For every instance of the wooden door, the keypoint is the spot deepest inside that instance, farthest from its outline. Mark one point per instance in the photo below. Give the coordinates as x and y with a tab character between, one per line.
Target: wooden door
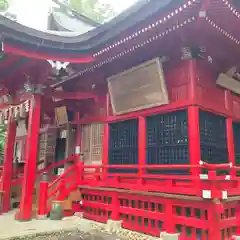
92	136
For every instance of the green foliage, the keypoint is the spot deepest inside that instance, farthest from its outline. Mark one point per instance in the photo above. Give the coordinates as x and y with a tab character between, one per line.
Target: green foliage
3	5
92	9
2	141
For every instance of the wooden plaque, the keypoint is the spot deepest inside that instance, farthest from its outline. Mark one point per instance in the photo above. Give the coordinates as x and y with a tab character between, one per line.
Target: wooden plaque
138	88
229	83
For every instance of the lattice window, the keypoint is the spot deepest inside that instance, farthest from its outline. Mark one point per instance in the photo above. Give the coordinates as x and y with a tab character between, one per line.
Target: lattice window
236	138
123	144
92	136
213	138
167	140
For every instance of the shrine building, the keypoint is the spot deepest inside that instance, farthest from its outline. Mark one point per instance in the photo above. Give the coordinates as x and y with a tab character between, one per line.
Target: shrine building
136	120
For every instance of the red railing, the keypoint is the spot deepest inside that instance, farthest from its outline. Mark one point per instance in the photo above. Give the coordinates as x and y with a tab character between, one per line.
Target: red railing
18	180
179	208
61	186
61	182
18	177
208	178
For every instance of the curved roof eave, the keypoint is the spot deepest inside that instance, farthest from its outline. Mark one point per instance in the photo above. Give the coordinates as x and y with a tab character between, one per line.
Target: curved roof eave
16	34
70	24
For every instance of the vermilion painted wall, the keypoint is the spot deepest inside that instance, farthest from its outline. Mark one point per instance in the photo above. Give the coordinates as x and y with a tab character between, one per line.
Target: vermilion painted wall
180	77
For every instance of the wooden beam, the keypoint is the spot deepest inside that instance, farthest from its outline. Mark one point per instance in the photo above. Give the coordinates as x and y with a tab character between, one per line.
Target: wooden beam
40	54
16	65
74	95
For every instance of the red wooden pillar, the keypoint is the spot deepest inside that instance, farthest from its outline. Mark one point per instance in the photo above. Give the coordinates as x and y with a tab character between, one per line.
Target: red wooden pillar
192	84
105	147
230	142
43	196
193	117
194	138
142	141
8	164
25	210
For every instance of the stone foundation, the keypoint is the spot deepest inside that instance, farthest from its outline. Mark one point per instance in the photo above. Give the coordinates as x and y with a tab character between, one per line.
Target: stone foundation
113	226
168	236
41	217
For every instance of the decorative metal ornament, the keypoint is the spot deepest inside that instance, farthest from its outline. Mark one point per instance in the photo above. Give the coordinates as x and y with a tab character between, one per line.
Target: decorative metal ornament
58	66
195	52
186	53
28	86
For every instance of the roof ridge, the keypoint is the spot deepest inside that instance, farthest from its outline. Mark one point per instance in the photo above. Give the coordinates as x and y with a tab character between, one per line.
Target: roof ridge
77	14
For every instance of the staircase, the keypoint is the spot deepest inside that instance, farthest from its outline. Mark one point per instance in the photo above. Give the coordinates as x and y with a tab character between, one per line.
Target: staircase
61	188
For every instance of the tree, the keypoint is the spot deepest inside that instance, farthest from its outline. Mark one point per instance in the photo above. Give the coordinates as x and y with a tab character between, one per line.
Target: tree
3	5
92	9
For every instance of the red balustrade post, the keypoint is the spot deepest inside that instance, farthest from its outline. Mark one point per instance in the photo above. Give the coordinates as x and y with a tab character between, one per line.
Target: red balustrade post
169	225
214	218
194	138
80	172
142	141
238	219
216	191
8	163
43	197
230	143
25	211
115	207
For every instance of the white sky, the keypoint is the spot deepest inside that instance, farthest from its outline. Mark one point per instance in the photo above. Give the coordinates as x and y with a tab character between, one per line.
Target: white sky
33	13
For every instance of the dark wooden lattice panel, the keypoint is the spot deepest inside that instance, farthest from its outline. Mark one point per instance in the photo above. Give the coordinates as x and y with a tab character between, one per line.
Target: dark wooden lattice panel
167	140
123	144
213	138
236	139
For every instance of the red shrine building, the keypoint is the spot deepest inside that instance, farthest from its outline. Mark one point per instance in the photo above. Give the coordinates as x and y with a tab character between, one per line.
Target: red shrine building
141	115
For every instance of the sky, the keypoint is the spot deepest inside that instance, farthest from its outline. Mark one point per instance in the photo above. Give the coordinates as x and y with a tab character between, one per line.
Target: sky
33	13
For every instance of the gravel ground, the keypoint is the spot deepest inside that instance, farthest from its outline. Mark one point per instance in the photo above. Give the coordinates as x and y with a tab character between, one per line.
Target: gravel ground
73	235
70	228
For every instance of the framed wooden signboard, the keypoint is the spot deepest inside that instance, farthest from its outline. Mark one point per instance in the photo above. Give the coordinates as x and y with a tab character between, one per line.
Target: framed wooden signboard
138	88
